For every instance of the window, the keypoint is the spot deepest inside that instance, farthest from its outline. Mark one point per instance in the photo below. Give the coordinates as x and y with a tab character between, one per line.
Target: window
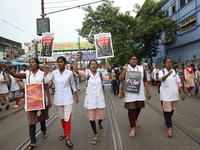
173	8
182	2
167	13
188	23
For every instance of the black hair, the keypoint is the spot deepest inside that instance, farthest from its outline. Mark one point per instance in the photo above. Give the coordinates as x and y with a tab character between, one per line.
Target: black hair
71	67
132	55
164	61
198	65
91	61
63	58
37	61
24	65
14	67
114	64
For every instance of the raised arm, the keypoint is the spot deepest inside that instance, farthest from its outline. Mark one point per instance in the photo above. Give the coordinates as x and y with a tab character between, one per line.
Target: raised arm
122	75
3	65
76	57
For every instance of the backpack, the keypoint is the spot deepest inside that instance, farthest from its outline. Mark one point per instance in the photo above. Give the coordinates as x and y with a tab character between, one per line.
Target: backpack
116	73
88	77
159	84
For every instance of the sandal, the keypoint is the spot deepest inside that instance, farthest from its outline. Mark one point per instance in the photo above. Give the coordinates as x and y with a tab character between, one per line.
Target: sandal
69	143
30	147
62	137
169	133
95	140
101	128
44	135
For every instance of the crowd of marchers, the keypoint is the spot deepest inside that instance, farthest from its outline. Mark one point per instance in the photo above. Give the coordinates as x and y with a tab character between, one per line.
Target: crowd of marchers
171	82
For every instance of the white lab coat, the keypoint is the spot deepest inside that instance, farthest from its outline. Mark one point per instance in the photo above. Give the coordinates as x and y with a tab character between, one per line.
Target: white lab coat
14	84
3	86
132	97
37	78
169	88
94	97
63	83
22	71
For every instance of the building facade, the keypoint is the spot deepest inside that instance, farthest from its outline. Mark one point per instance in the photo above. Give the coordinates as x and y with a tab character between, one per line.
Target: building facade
10	50
187	45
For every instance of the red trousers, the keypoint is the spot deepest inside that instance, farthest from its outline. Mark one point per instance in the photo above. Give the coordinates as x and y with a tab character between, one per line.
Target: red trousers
66	126
17	101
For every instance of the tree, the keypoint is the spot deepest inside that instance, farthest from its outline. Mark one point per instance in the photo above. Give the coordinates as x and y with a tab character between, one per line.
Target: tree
107	18
151	23
140	35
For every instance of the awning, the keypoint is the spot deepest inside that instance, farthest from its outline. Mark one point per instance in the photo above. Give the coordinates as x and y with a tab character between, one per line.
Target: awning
21	58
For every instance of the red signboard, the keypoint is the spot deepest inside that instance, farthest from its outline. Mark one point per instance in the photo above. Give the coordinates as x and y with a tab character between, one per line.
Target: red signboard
34	97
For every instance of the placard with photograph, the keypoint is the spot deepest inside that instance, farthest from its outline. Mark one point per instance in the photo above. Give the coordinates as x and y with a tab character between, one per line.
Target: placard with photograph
103	45
34	97
47	45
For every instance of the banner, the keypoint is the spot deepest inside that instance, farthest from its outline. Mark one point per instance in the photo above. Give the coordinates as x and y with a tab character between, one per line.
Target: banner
132	81
34	97
103	45
47	45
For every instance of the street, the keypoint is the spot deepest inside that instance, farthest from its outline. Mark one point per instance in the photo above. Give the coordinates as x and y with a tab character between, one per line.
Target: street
150	136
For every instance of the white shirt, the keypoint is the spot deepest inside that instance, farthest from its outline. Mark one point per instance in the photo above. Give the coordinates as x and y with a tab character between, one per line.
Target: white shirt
169	88
94	97
132	97
63	84
37	78
3	86
22	71
14	84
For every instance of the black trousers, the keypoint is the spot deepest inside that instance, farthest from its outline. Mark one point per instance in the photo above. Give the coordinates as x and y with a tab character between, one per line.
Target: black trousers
32	129
168	118
115	87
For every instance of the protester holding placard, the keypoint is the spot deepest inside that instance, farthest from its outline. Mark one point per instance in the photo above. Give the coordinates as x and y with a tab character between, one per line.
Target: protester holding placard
63	80
34	76
94	97
135	85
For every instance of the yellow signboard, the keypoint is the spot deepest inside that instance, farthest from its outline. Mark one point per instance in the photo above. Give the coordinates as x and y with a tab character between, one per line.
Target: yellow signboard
67	46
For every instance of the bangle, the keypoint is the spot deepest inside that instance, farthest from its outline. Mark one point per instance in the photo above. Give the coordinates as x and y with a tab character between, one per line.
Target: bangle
182	94
108	71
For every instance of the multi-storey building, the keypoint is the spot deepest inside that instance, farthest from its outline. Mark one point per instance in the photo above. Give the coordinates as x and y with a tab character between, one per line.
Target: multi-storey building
10	50
187	45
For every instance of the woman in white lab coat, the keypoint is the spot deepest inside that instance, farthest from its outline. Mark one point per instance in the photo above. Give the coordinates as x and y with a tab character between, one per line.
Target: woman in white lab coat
169	93
14	88
4	89
63	80
94	97
34	76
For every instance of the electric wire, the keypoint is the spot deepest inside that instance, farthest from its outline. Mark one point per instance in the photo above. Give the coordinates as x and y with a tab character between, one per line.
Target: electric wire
18	28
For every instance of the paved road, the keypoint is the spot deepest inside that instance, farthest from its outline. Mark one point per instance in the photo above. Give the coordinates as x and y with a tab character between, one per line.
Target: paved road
150	136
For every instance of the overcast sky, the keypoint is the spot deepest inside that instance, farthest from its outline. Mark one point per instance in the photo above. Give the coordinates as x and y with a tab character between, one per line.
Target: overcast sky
22	15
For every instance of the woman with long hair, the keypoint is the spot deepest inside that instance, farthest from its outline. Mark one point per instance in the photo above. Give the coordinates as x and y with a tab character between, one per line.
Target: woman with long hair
34	76
63	80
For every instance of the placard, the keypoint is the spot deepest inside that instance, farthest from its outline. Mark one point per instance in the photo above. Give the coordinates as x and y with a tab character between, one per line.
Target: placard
47	45
132	81
103	45
34	97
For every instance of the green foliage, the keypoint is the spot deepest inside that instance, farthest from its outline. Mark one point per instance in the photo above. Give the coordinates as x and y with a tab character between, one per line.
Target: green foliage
140	35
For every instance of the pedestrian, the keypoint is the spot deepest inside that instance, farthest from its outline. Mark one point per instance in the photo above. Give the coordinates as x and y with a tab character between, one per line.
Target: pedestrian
155	76
189	78
63	80
24	70
34	76
4	89
115	81
94	97
134	102
169	93
15	89
197	80
180	72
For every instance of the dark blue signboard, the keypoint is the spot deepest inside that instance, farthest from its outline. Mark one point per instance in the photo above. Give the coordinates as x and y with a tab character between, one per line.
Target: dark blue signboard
43	25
